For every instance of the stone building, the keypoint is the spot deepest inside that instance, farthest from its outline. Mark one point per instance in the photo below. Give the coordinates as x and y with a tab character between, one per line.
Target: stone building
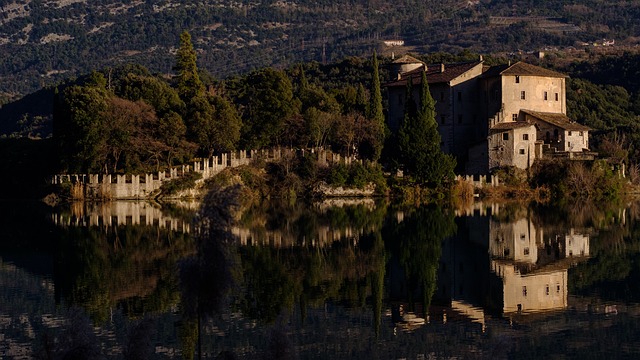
493	116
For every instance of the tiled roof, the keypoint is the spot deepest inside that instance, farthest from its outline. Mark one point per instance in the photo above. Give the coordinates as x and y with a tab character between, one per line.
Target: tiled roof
504	126
407	59
559	120
521	68
435	73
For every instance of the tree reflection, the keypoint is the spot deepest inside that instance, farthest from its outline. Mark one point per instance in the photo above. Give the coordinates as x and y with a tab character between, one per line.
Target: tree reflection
208	276
127	267
321	254
415	248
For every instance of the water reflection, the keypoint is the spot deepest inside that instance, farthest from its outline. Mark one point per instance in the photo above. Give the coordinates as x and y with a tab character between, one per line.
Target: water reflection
338	280
505	261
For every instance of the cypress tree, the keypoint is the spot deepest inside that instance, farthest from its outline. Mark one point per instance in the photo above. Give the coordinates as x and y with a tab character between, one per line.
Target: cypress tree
419	141
374	112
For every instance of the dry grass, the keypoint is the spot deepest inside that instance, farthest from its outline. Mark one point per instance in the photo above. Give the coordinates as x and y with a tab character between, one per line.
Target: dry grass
76	192
523	192
462	194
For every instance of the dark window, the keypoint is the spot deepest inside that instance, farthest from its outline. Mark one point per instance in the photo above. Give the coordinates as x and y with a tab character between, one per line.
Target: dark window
524	291
521	151
526	251
505	136
557	97
569	133
547	289
545	95
517	79
522	95
514	117
525	136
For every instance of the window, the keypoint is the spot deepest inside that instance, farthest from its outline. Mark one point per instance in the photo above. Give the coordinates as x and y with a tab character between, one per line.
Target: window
569	133
545	96
581	134
524	291
525	136
442	119
514	117
459	119
523	236
505	136
569	144
521	151
517	79
558	288
557	97
459	95
547	289
526	251
522	95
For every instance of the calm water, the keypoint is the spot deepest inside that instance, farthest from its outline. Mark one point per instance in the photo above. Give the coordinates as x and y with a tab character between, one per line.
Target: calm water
354	279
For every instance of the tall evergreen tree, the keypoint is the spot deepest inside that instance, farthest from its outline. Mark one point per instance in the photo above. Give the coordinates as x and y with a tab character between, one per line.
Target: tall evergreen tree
189	83
374	112
419	142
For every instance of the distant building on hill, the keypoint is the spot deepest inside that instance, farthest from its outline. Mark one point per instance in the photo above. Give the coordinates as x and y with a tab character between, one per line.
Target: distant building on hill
493	116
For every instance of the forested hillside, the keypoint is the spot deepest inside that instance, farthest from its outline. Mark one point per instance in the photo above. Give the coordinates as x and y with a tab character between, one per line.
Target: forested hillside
45	41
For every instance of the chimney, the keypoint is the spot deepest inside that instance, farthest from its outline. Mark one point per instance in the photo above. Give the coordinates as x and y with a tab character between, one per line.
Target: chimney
393	55
481	58
441	68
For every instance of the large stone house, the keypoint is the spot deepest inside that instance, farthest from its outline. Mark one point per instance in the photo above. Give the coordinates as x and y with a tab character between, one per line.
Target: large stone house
490	117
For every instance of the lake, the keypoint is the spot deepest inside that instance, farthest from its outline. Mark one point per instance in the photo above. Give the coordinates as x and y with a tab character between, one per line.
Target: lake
338	279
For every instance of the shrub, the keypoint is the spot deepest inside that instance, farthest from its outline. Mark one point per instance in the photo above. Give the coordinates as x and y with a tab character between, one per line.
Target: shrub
358	176
187	181
338	175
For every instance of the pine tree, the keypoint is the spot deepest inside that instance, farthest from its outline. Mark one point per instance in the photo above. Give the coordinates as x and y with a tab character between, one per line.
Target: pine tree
189	83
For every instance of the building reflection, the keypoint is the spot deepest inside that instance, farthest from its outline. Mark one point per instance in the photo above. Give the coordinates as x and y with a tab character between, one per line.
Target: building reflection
120	213
505	262
502	261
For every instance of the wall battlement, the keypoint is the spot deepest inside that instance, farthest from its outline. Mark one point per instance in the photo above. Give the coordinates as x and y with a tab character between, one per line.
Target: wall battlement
145	186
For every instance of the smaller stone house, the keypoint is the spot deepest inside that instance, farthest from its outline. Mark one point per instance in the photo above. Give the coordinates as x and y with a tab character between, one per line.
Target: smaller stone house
558	131
512	144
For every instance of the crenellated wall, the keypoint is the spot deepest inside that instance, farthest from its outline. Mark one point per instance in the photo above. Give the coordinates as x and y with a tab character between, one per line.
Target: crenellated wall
144	186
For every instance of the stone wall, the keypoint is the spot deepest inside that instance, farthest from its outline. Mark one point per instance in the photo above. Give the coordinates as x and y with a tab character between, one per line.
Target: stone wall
479	181
144	186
